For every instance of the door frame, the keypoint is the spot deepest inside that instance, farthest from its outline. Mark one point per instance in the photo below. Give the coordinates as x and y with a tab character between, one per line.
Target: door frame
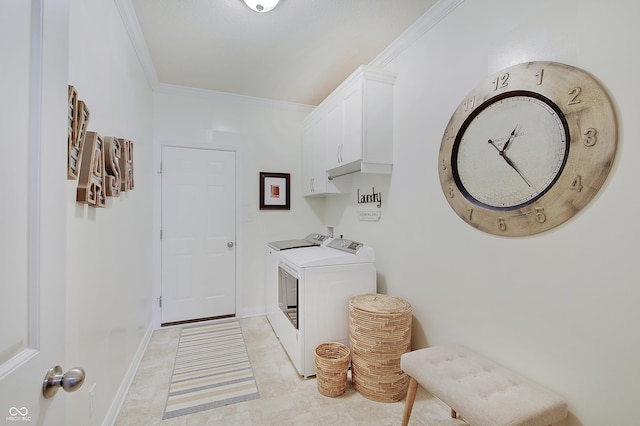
228	142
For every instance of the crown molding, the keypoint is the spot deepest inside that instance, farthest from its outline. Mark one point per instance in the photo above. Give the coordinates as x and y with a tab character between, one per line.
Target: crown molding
131	24
427	21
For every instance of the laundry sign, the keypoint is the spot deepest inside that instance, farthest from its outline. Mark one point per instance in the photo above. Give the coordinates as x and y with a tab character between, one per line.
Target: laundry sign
371	198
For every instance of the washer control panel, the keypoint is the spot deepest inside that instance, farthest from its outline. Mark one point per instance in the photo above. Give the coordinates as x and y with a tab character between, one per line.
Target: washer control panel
345	245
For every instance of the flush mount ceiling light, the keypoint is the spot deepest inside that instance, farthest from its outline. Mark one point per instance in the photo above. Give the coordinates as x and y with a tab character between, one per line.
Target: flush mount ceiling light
261	5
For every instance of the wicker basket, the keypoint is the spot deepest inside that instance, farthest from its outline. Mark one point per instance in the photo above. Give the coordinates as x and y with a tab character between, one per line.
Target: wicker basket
379	333
332	363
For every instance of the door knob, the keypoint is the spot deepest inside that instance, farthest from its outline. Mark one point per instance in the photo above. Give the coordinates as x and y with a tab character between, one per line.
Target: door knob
230	244
55	379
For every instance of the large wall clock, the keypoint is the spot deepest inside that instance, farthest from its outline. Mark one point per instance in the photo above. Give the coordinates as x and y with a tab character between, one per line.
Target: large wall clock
528	148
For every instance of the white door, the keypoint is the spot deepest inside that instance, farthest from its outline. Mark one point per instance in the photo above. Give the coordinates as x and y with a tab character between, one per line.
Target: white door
198	234
33	85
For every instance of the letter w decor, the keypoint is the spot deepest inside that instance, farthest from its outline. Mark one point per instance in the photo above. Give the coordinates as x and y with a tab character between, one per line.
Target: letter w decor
78	118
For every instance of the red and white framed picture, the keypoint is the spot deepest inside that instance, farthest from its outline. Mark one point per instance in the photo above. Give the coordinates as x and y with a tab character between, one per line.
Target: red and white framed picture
274	191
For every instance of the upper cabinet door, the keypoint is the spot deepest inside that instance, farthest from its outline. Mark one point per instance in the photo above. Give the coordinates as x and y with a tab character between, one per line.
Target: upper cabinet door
352	129
365	144
334	141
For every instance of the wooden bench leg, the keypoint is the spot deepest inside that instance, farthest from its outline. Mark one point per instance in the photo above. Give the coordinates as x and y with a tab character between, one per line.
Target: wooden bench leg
408	404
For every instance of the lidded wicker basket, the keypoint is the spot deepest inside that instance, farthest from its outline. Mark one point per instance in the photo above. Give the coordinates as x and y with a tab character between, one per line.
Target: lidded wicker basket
332	363
379	333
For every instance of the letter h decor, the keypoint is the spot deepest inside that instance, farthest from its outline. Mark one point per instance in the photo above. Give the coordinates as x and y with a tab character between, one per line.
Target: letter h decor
126	164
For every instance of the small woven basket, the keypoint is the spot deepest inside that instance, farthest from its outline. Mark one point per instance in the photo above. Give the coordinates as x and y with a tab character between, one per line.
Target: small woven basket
332	363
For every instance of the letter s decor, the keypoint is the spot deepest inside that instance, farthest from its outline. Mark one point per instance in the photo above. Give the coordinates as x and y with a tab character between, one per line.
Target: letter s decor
112	154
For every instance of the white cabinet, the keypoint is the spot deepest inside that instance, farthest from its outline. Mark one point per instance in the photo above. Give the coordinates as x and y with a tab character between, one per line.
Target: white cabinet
315	180
312	135
362	110
350	131
334	140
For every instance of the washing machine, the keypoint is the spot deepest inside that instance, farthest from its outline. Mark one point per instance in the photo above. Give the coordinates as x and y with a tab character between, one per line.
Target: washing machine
314	288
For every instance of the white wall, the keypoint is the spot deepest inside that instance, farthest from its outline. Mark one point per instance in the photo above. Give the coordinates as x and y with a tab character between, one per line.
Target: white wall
267	137
560	307
109	263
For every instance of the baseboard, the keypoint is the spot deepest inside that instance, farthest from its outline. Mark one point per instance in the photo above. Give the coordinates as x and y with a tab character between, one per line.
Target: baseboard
121	395
252	312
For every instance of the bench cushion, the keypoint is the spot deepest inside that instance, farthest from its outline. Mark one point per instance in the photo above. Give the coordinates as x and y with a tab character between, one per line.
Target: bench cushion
482	392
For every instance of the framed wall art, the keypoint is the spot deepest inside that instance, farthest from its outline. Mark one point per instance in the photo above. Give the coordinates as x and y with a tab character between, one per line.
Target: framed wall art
274	191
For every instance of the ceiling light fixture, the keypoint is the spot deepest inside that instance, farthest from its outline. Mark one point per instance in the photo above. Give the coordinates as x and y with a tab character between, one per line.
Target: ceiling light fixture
261	6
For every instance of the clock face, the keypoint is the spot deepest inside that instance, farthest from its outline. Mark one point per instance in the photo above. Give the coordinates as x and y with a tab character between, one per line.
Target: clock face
511	151
528	148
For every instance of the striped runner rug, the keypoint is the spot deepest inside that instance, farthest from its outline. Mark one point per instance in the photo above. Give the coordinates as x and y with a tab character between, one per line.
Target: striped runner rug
212	369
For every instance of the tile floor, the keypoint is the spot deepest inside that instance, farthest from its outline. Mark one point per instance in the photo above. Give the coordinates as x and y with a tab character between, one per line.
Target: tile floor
285	397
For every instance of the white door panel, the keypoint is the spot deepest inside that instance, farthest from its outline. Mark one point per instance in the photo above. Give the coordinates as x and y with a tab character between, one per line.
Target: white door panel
198	234
33	47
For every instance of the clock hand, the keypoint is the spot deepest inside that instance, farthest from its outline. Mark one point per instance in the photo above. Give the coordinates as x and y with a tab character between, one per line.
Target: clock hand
494	145
511	163
507	159
511	137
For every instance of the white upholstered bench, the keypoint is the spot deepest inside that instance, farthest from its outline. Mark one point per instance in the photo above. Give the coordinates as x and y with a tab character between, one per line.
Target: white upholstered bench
482	392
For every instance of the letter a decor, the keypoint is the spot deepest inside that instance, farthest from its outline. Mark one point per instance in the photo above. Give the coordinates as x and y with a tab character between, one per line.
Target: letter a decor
91	180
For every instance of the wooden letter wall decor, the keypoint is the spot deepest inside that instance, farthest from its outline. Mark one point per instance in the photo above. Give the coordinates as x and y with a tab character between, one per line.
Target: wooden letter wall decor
91	182
78	119
112	155
103	166
126	164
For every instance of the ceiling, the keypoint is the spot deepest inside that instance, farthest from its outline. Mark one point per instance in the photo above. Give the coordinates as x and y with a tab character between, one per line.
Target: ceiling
299	52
